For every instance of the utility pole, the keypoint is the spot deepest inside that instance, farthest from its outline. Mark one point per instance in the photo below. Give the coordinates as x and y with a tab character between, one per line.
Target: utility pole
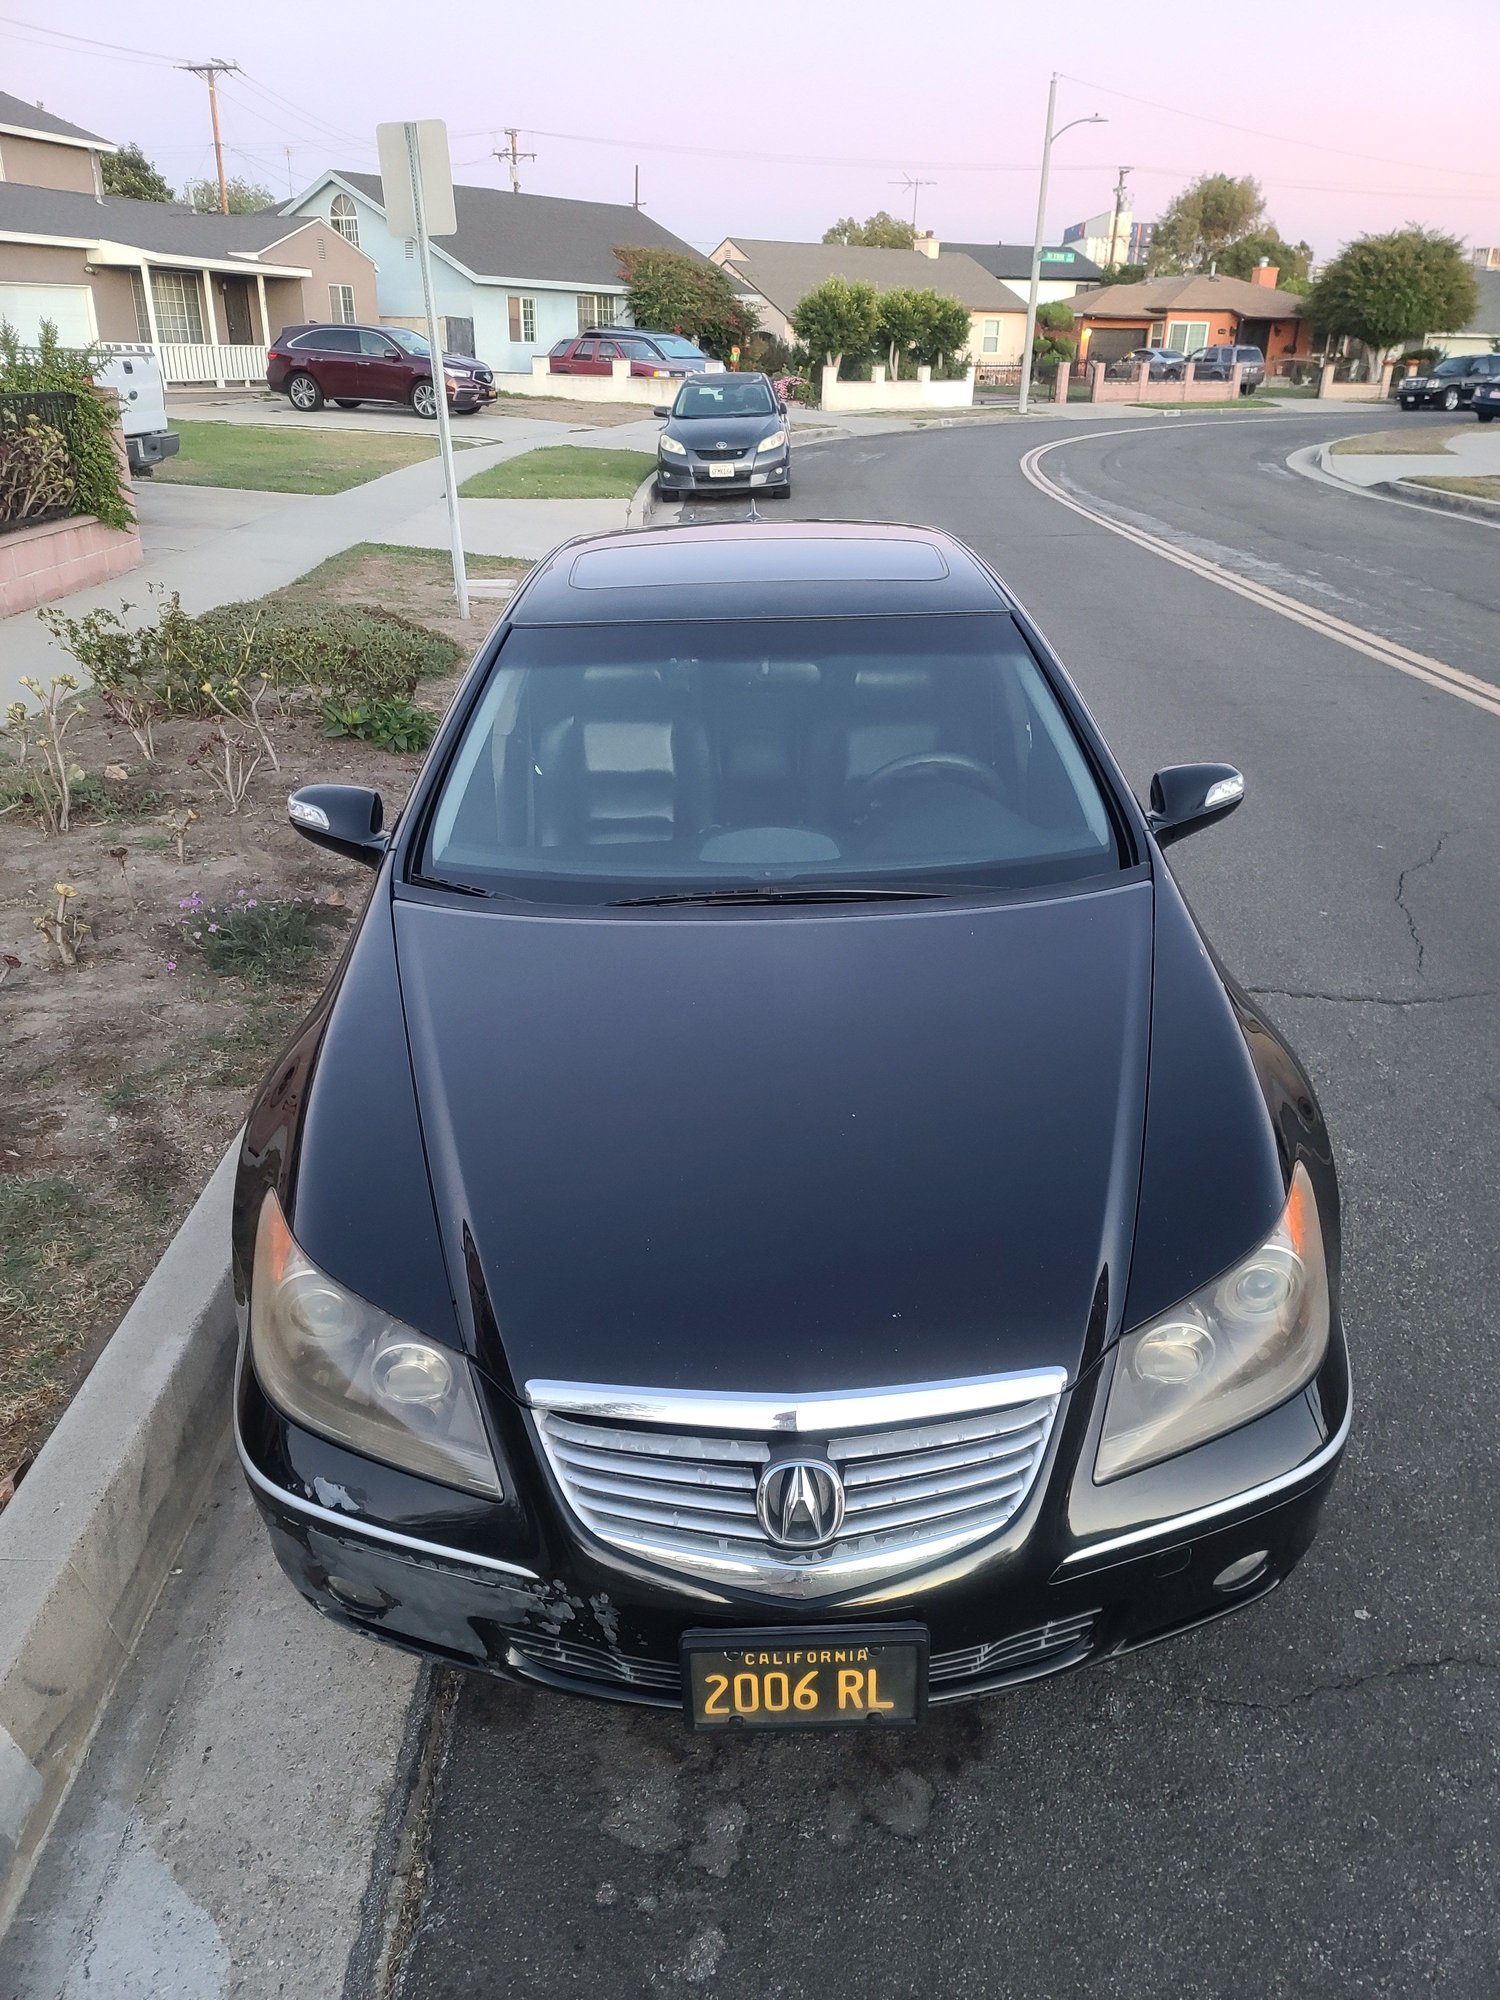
1121	190
907	181
512	157
636	198
289	188
211	72
1040	237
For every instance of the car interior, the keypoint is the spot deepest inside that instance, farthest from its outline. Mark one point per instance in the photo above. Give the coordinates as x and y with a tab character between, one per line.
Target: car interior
749	764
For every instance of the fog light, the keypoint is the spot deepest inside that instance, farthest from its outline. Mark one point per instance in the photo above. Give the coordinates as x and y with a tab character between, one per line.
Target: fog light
358	1596
1246	1570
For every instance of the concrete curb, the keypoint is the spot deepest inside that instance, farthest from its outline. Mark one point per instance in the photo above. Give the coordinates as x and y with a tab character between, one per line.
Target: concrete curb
1445	503
92	1532
643	504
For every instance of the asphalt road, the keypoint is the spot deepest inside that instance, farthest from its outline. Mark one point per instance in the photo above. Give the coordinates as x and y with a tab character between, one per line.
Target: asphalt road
1301	1800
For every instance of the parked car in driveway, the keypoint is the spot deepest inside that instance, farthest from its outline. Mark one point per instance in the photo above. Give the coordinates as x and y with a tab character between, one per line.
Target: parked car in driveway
724	433
350	365
1167	364
713	1245
648	353
1486	400
1451	384
1217	364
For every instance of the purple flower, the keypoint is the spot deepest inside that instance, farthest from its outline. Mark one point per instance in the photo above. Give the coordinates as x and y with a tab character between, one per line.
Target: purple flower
213	927
251	904
171	965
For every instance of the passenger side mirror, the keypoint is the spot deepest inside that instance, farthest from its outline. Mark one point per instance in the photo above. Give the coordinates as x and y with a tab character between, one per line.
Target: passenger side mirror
664	410
1185	797
345	818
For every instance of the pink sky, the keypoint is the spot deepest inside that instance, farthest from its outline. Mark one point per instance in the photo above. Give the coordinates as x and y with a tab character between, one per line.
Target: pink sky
778	132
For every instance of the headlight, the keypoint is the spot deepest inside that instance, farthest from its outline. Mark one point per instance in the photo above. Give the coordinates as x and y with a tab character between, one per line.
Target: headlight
671	446
331	1361
1230	1352
773	443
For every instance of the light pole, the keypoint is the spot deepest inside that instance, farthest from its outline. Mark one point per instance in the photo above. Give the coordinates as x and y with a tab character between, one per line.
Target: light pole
1041	229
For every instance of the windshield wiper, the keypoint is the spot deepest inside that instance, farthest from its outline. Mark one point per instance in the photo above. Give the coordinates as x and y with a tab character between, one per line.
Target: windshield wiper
784	892
455	888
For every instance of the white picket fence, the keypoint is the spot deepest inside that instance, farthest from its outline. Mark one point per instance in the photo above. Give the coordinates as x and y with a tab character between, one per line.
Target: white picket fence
184	361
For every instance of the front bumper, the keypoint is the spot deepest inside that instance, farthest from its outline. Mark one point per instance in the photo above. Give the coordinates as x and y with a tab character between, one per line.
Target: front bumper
1082	1573
693	474
470	395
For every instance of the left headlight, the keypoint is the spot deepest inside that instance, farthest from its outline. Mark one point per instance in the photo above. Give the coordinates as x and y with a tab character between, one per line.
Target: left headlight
337	1364
1228	1353
671	446
773	443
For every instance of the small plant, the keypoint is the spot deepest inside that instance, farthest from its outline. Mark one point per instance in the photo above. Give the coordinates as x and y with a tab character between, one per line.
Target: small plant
223	758
251	939
36	472
177	823
44	731
397	724
62	928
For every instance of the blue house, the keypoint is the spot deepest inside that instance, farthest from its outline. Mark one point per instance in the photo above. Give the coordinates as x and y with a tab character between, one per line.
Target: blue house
521	272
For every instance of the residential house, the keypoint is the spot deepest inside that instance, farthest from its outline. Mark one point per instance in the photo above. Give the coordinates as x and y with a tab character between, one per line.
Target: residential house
1065	268
208	292
773	278
520	273
1481	335
1194	311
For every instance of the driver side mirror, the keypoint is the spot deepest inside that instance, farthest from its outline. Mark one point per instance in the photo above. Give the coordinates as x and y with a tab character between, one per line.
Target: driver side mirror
1185	797
665	410
345	818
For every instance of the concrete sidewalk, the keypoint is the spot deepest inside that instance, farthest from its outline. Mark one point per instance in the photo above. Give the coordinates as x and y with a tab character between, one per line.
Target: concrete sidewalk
1471	453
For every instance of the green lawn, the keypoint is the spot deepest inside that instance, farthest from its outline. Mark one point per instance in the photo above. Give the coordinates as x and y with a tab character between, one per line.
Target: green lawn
563	472
281	460
1412	441
1480	486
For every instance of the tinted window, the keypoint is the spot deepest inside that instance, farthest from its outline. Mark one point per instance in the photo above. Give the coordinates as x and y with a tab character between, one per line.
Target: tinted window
724	396
678	349
604	762
411	343
375	343
1454	367
334	340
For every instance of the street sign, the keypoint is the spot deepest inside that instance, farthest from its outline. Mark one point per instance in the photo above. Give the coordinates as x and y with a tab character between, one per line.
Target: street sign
1057	256
437	177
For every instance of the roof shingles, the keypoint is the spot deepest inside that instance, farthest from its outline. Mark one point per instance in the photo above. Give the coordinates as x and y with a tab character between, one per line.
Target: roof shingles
784	273
31	118
166	227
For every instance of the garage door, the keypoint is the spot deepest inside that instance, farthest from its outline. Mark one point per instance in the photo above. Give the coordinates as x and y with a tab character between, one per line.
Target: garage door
69	307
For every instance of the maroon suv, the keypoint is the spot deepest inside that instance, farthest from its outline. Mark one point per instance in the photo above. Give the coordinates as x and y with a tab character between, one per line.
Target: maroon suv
595	352
350	365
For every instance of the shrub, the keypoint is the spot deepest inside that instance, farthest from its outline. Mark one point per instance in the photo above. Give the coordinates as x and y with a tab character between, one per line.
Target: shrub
36	472
250	939
99	486
397	725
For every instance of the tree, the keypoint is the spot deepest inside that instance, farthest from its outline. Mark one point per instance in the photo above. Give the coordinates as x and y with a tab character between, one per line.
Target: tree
1213	210
680	294
1381	290
128	172
245	197
902	318
1239	259
836	318
880	231
1055	339
946	332
1124	274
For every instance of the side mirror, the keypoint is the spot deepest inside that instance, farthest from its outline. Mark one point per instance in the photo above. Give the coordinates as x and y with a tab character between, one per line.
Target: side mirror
664	410
1185	797
346	818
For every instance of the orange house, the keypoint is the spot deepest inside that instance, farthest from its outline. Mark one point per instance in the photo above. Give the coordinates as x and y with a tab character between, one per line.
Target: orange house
1189	312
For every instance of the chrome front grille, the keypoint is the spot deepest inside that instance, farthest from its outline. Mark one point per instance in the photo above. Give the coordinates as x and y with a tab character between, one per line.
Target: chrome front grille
686	1497
1021	1649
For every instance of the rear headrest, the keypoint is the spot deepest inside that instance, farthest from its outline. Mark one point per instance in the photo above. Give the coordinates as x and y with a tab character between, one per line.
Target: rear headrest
616	692
893	684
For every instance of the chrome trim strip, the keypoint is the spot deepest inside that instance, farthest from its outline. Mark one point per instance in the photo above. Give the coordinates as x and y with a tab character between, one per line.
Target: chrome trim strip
832	1411
1179	1523
353	1522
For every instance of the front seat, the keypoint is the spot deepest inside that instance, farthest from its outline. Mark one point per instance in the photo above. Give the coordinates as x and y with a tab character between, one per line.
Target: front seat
629	767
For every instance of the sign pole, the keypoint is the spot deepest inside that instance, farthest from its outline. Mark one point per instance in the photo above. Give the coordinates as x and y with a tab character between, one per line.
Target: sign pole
439	380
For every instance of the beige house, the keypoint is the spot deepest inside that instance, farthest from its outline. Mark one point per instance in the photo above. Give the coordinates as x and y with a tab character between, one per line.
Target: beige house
207	292
773	277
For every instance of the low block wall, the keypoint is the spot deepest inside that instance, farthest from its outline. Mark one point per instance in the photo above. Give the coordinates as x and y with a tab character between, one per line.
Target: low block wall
910	393
620	386
1139	388
1330	391
40	564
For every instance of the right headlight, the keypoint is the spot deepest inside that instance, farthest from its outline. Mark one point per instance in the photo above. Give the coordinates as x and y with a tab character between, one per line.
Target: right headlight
1231	1351
670	444
334	1363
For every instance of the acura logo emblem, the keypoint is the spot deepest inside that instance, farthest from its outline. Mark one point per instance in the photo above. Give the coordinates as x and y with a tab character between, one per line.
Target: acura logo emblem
800	1502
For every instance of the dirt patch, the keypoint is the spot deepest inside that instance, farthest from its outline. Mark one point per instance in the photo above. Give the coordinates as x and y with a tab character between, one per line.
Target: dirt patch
581	416
1482	486
1411	441
127	1074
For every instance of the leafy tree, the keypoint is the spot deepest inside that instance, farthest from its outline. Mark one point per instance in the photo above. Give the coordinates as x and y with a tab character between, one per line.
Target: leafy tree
902	319
679	294
1239	259
1212	211
1382	290
1124	274
947	330
837	318
245	197
880	231
1055	339
130	173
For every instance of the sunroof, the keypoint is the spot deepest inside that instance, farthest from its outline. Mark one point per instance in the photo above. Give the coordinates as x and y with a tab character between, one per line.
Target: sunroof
755	559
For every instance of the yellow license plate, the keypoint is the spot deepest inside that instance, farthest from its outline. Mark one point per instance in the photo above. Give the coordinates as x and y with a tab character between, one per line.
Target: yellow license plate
806	1678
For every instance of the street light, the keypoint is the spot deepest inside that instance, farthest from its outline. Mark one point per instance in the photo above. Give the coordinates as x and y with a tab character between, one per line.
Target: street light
1041	228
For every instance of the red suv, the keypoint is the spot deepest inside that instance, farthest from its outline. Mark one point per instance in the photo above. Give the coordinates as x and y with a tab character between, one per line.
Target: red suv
350	365
595	352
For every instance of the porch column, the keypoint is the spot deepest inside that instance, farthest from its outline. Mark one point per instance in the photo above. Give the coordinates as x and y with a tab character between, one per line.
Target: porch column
212	327
260	296
151	326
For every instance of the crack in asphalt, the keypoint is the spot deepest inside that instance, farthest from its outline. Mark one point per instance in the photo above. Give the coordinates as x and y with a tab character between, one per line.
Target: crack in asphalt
1411	922
1369	999
1403	1670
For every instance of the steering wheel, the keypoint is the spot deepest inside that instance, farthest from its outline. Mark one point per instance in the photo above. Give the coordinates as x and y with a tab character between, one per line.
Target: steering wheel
931	764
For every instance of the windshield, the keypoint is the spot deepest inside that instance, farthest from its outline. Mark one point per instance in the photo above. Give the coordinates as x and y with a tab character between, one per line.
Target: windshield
408	342
725	396
677	349
1453	367
605	763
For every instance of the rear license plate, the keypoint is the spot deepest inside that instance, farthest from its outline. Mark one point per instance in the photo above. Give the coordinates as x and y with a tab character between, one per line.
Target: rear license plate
843	1677
721	472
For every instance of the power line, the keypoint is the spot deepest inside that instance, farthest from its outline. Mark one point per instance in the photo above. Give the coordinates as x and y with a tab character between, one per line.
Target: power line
512	157
89	41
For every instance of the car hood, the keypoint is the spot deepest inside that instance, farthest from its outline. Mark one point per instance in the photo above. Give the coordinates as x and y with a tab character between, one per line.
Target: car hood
465	363
700	432
772	1150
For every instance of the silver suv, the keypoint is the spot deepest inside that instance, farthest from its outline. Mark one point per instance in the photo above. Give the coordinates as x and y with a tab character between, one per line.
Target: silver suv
1217	364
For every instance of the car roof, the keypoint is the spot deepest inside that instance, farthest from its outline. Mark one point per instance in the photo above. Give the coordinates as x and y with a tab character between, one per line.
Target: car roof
755	569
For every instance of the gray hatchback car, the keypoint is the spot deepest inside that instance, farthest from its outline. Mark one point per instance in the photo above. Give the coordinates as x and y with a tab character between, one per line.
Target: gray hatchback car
724	433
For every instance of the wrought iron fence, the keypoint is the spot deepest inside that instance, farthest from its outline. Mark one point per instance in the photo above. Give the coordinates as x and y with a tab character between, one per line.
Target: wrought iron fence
38	467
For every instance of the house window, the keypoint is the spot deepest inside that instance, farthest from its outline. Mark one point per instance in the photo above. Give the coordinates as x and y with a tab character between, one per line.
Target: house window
1183	335
598	309
142	312
345	219
341	304
1157	337
991	340
179	306
523	319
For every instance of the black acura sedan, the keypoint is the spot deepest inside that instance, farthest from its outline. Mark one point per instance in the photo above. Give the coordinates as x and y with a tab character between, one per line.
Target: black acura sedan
724	433
779	1213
